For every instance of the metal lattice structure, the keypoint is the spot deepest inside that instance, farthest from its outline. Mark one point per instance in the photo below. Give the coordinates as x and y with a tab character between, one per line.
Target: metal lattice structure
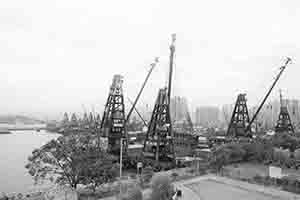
240	118
284	123
113	119
159	138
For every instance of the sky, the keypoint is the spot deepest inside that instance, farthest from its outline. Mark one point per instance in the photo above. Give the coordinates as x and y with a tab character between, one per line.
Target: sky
60	55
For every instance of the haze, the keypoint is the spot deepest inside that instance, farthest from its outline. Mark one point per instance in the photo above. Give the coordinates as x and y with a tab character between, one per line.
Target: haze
59	55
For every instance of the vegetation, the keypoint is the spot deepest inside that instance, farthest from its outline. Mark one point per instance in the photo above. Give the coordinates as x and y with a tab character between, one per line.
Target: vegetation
72	160
134	193
286	141
287	183
147	174
161	188
257	151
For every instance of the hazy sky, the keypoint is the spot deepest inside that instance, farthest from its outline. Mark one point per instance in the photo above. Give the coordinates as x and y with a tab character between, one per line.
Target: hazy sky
57	55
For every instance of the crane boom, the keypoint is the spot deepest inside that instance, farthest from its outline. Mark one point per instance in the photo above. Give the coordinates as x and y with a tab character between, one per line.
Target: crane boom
139	114
142	88
268	93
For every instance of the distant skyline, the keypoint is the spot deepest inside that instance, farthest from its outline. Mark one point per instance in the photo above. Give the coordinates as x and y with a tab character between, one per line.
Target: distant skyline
59	55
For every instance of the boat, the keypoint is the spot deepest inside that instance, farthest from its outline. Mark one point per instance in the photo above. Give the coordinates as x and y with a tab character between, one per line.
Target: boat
4	131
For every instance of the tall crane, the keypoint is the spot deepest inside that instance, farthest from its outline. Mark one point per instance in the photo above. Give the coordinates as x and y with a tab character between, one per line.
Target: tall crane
159	137
282	68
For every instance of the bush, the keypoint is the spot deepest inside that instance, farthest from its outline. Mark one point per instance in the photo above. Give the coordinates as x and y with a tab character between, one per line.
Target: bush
147	174
162	188
258	179
174	176
134	193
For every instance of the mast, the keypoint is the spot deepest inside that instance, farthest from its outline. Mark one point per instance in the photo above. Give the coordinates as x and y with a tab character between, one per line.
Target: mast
172	51
170	129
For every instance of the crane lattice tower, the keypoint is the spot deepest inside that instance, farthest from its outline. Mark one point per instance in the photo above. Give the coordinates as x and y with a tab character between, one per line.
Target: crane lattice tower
159	139
113	119
240	118
284	123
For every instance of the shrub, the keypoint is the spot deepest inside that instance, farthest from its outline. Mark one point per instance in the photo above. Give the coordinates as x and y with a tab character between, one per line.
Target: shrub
174	176
258	179
162	188
134	193
147	174
191	171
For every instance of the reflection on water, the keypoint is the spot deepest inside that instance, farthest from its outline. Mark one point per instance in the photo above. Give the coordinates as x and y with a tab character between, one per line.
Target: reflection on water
14	151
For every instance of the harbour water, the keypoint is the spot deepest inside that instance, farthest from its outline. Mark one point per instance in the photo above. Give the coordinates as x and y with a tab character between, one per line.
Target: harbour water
14	151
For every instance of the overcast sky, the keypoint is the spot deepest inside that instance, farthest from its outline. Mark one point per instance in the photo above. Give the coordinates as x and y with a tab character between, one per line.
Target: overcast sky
56	56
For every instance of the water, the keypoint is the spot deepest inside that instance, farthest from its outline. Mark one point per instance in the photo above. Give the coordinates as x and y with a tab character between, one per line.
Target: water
14	151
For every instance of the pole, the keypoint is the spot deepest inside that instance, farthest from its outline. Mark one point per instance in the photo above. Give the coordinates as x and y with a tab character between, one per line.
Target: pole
121	157
172	49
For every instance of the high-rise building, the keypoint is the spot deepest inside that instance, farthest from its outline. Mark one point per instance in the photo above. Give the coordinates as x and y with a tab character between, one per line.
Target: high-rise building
180	114
225	115
179	108
208	116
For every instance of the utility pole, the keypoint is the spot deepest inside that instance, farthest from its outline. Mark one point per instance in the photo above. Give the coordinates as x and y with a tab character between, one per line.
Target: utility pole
121	160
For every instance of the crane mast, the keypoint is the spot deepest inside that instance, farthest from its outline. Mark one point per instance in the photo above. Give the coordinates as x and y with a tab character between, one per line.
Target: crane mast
172	51
159	137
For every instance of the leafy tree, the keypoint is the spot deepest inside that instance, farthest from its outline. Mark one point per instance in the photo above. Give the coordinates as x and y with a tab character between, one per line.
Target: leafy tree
286	140
226	154
72	160
147	174
161	188
258	151
134	193
101	171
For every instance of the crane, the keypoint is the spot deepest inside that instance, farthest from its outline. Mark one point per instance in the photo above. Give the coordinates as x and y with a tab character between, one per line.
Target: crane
142	88
137	112
282	68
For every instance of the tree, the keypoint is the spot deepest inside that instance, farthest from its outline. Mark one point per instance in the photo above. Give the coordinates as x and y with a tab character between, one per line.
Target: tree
258	151
101	171
286	140
147	174
72	160
227	154
161	188
134	193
